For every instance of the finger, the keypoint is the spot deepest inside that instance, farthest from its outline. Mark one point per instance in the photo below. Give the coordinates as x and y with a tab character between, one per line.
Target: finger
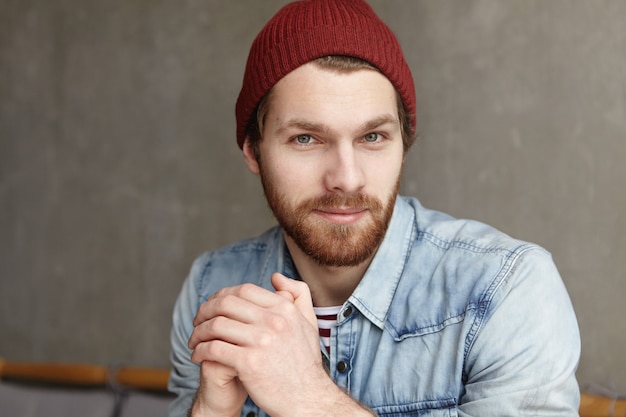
224	304
300	293
239	302
217	351
221	328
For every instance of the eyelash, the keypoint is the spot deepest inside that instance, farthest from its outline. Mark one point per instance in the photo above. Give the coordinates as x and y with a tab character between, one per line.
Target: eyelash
296	139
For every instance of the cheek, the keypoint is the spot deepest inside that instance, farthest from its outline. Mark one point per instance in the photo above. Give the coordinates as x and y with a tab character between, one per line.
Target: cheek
292	179
385	174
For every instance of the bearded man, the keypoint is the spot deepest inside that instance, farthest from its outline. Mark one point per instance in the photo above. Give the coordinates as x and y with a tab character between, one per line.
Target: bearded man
360	302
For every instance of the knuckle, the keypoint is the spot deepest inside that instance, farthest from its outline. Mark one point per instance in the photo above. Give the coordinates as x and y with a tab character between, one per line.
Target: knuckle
277	323
218	294
215	324
246	290
265	340
209	350
223	302
215	350
220	302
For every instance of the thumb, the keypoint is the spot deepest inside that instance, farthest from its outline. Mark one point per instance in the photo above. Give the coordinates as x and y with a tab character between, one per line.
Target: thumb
220	391
299	292
216	374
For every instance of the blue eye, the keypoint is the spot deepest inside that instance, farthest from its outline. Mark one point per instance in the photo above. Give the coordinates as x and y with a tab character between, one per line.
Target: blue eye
371	137
304	139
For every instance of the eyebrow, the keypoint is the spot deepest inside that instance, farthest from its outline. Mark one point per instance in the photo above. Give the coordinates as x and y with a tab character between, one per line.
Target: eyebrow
308	126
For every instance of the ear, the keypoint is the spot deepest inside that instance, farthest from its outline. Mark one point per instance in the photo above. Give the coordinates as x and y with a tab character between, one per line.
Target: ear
250	158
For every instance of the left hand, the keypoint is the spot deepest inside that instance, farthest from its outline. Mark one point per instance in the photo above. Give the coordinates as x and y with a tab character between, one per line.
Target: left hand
270	339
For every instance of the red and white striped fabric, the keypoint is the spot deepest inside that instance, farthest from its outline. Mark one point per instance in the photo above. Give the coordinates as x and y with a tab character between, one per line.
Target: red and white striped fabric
326	321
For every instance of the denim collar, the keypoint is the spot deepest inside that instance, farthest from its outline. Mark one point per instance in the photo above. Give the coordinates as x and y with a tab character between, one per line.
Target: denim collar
373	296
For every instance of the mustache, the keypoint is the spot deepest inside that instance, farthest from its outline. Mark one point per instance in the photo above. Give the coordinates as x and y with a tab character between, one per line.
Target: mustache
339	200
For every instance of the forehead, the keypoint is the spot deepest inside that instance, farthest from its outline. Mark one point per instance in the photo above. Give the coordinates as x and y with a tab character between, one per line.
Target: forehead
311	91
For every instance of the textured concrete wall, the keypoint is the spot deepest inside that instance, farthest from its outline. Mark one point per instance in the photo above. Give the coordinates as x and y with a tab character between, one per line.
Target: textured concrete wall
118	164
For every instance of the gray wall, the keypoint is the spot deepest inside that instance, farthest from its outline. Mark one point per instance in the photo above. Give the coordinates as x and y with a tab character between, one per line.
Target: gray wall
118	164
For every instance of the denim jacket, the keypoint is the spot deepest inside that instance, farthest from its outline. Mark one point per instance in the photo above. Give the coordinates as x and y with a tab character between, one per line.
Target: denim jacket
452	318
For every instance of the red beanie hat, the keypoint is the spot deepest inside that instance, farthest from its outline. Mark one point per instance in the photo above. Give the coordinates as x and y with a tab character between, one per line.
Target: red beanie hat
309	29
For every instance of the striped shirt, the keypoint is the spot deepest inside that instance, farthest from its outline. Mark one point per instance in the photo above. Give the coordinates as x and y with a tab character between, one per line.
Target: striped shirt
326	321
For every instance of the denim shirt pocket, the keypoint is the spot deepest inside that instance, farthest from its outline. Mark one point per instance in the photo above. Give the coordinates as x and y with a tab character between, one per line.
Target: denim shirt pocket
432	408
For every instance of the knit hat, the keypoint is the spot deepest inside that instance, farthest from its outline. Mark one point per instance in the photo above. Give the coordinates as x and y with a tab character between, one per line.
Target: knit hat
309	29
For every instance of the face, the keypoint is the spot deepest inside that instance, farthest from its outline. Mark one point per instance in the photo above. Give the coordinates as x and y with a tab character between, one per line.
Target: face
330	161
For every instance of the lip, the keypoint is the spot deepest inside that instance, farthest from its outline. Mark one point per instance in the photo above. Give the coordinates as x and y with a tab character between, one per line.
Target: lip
340	215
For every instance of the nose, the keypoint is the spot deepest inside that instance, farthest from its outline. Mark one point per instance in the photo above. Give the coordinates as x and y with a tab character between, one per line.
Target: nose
343	171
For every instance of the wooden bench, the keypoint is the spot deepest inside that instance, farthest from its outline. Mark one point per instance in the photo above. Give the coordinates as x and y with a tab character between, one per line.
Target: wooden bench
155	380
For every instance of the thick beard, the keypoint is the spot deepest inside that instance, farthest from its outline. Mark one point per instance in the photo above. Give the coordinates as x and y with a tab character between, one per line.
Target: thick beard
329	244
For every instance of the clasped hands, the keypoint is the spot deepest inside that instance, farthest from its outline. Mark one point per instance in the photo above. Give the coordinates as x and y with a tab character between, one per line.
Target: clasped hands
251	341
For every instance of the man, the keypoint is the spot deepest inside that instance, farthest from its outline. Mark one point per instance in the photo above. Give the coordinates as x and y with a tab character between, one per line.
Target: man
362	302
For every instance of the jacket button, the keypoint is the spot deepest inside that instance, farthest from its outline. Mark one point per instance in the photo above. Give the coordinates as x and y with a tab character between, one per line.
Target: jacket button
347	312
342	366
